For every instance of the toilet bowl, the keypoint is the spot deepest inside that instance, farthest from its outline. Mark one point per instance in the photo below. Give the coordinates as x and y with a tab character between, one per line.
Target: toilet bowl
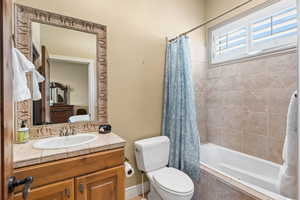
166	183
171	184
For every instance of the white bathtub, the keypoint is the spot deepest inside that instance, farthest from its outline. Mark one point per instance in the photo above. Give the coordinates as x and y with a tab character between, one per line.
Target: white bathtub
252	173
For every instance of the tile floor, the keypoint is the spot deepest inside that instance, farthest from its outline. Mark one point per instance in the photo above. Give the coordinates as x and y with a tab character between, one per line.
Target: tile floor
136	198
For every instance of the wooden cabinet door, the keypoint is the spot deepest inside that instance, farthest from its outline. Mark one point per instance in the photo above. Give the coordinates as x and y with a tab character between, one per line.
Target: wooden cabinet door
63	190
103	185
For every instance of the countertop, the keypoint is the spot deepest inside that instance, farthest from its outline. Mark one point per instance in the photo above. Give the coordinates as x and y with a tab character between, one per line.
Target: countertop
26	155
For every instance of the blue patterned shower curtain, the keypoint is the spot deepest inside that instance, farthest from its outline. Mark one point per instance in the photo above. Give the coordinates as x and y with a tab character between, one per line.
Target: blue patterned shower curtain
179	117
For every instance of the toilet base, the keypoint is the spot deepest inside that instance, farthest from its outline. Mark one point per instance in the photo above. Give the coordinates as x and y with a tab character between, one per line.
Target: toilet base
153	195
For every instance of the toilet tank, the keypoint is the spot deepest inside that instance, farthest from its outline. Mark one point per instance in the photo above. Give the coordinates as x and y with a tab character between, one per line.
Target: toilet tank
152	153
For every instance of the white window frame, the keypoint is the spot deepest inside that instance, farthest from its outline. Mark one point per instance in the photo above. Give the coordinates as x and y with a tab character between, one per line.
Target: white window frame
245	20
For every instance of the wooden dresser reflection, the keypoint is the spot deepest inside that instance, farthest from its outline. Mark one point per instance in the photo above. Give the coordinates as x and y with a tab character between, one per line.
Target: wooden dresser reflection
60	113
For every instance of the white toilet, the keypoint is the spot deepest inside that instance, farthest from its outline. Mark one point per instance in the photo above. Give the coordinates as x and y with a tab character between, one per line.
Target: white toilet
166	183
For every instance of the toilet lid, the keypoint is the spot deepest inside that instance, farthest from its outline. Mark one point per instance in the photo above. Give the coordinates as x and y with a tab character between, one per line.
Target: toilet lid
173	180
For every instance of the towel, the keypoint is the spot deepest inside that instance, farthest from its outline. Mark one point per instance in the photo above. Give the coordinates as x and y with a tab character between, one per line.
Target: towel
36	79
287	182
21	65
79	118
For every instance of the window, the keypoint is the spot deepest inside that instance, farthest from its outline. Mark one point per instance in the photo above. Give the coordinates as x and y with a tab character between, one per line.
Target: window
268	29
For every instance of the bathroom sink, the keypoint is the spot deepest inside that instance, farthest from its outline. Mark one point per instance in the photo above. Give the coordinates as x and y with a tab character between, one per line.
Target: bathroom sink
64	141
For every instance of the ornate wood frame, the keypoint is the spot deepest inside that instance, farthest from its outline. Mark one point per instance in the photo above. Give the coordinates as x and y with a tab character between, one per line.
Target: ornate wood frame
24	16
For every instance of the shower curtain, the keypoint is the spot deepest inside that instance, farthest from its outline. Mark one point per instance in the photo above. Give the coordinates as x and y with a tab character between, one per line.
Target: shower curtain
179	117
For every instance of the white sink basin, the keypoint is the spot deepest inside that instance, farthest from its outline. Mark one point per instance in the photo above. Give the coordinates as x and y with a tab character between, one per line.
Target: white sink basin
64	141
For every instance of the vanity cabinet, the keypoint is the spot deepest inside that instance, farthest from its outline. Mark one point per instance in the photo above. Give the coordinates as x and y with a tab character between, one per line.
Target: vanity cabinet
94	176
103	185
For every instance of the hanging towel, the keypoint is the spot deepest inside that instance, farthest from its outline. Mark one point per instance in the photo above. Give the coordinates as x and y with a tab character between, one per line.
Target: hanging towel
287	182
21	65
36	79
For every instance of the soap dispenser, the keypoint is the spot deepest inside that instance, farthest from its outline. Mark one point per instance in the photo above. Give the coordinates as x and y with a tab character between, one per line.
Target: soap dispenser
22	135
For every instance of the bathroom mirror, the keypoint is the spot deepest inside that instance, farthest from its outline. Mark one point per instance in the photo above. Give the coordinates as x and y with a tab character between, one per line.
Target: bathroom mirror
67	64
70	54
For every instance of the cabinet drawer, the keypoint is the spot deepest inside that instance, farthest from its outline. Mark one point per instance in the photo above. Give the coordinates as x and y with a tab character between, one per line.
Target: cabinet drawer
69	168
63	190
103	185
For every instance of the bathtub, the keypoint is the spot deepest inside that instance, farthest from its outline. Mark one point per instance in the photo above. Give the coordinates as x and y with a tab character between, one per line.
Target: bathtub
251	175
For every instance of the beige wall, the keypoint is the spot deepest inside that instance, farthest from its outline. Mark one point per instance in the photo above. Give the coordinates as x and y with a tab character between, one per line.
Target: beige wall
243	106
136	49
216	7
74	75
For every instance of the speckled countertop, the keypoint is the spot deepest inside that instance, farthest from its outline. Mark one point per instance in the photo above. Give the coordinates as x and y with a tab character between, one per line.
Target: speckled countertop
26	155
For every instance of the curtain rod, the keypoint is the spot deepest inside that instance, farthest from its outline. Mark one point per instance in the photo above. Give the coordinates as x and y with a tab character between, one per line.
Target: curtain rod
211	20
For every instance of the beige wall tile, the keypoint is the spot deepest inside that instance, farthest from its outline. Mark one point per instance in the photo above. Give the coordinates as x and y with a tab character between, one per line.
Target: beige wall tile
255	145
256	123
282	63
213	84
231	139
278	100
253	67
215	116
230	83
214	98
234	117
230	70
255	100
214	134
277	126
214	73
256	81
275	150
233	98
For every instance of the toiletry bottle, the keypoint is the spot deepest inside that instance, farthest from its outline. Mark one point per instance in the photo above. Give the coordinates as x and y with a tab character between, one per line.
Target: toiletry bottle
22	134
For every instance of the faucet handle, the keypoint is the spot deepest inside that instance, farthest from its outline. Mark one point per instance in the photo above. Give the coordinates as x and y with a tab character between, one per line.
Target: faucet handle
61	132
74	132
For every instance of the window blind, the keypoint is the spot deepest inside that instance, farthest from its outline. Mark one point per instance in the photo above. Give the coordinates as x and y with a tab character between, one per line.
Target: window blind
231	41
283	24
266	29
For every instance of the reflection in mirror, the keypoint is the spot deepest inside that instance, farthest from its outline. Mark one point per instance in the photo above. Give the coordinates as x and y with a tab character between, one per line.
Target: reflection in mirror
66	58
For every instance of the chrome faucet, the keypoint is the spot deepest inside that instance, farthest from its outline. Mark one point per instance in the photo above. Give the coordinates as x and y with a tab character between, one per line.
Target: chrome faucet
66	131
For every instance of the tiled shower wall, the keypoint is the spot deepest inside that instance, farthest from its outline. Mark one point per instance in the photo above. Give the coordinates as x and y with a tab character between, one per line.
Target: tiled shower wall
243	106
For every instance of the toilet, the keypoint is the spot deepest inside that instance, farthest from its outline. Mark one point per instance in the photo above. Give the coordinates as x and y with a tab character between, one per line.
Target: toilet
166	183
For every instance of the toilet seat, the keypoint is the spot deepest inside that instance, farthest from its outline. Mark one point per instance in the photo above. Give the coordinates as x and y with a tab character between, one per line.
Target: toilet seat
173	181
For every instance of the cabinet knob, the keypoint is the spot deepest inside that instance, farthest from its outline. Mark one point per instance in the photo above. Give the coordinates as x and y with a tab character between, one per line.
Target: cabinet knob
81	188
67	192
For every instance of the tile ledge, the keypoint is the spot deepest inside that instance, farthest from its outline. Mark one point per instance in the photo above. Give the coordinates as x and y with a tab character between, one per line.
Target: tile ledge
236	185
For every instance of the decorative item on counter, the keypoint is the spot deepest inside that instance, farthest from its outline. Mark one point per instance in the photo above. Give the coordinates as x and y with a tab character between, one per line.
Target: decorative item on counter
129	171
22	135
104	129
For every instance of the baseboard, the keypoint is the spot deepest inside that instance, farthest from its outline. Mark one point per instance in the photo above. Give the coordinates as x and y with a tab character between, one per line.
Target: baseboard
136	190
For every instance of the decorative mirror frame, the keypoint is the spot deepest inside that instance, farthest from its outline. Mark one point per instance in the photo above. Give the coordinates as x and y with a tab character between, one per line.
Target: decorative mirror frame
24	16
